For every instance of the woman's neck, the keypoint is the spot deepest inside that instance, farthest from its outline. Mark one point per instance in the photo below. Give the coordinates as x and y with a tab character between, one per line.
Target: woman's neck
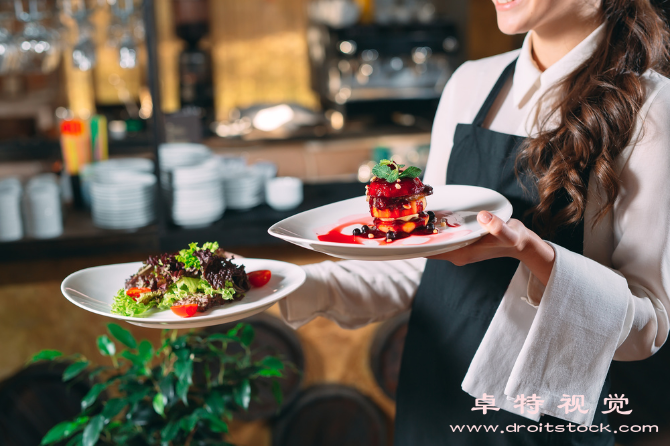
549	44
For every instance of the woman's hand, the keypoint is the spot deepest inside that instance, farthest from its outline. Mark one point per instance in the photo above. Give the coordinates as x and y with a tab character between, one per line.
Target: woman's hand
511	239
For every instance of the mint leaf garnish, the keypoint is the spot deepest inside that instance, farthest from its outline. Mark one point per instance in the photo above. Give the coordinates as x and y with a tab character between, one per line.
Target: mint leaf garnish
390	171
411	172
381	171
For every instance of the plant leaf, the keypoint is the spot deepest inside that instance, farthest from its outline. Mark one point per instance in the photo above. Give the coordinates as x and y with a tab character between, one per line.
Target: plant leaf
146	350
106	346
58	432
63	430
45	355
96	371
233	331
183	368
242	394
247	335
167	388
75	441
270	372
132	357
277	392
216	424
137	395
122	335
179	343
215	404
74	369
113	407
272	362
169	431
222	337
182	391
411	172
92	395
159	404
188	422
92	431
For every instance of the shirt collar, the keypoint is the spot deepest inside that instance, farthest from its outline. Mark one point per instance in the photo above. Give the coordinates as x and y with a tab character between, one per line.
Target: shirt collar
528	79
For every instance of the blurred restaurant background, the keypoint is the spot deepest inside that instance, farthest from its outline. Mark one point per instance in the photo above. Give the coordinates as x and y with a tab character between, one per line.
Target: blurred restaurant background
132	127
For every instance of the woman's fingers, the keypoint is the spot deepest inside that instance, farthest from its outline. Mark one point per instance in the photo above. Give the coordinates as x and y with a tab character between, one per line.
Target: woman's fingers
507	234
503	240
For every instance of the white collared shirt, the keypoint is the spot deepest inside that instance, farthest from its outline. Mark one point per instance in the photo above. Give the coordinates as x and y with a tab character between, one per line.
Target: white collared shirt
633	240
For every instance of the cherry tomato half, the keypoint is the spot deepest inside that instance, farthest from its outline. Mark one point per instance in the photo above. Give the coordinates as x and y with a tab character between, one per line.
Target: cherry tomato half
259	278
135	292
187	310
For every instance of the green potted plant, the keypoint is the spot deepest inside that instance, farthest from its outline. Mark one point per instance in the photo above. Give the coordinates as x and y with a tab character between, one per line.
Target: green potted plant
183	392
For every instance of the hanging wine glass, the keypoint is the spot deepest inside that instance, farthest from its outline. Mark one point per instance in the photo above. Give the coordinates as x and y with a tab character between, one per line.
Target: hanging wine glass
39	47
83	52
127	45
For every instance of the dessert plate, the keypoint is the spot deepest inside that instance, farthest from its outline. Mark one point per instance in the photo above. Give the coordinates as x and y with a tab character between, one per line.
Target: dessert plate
93	290
328	229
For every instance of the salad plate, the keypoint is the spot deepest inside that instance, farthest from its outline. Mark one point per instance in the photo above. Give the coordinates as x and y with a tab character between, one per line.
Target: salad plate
329	229
93	289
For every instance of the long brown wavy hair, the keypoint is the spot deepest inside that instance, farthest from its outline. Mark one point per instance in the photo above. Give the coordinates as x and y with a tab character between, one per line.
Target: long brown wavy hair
596	112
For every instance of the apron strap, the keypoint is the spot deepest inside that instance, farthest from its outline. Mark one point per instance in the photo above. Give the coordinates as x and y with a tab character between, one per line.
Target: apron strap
493	94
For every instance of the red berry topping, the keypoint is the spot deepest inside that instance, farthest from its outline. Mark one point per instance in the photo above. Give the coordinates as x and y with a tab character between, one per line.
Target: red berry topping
400	188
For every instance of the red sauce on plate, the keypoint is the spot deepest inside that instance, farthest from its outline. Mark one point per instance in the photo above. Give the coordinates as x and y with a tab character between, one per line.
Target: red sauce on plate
336	234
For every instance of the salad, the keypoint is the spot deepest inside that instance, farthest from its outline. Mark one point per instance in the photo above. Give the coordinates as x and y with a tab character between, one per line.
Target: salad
195	279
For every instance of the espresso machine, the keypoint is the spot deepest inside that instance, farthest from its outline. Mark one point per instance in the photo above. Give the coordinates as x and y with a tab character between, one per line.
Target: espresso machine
382	70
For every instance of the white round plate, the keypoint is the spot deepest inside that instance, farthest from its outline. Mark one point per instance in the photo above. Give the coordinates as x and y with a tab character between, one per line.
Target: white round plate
93	289
464	202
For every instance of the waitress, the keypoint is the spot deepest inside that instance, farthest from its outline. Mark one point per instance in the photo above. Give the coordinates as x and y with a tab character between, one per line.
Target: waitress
573	130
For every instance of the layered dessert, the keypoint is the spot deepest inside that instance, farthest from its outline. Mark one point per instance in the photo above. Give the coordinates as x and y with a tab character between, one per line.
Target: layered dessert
397	200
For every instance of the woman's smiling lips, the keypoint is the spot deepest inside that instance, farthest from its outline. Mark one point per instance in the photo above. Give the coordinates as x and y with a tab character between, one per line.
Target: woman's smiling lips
504	5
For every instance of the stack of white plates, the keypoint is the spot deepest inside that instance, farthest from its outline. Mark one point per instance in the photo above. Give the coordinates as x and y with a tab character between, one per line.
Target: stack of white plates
100	170
192	184
11	227
175	155
123	200
266	169
243	188
230	162
44	216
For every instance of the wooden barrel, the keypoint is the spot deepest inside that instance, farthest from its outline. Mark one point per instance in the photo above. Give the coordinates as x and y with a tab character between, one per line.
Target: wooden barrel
386	353
34	400
331	415
272	337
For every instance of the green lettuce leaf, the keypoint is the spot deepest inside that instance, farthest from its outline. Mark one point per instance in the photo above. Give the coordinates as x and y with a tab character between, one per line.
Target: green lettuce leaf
187	286
189	260
126	306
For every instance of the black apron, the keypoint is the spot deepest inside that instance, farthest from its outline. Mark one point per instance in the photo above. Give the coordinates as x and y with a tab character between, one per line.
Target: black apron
454	306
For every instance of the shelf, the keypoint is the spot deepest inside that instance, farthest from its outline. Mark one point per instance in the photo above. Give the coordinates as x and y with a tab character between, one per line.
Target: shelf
236	228
29	149
81	238
249	228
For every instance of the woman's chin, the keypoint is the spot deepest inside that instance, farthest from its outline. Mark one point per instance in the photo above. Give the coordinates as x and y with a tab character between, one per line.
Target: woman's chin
511	25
